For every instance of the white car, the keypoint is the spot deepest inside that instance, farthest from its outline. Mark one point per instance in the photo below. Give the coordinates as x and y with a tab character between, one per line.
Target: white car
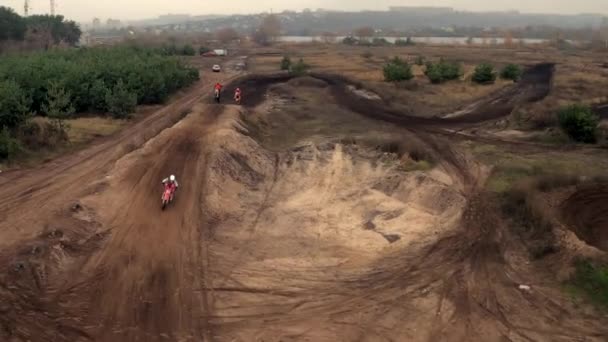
216	68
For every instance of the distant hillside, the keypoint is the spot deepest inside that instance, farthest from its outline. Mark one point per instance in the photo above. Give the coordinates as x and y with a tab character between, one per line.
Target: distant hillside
441	21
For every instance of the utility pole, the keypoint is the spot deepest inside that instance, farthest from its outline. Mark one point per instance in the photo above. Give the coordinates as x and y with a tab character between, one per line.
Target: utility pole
52	7
26	8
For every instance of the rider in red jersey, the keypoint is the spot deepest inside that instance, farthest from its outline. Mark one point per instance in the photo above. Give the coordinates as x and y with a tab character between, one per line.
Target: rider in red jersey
171	183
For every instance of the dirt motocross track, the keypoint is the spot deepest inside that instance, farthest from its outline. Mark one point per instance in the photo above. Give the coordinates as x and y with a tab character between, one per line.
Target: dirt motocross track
322	240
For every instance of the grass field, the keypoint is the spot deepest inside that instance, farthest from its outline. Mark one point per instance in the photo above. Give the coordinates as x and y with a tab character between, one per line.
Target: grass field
83	130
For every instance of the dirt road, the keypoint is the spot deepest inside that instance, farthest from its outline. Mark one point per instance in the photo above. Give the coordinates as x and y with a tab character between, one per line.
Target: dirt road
321	239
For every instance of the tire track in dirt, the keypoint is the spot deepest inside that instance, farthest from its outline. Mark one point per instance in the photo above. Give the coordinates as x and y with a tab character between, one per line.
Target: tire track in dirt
470	271
153	266
65	303
172	276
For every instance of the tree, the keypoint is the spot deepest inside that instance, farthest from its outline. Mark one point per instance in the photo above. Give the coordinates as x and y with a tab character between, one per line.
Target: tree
14	104
364	33
188	50
511	72
58	105
380	42
443	71
54	29
349	41
328	37
484	74
286	63
120	101
407	42
299	68
97	96
226	35
269	30
71	32
433	73
8	145
579	122
397	70
12	26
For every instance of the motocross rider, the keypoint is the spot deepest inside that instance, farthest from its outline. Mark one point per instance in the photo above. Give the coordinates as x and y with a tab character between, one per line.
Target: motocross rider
172	182
218	89
237	95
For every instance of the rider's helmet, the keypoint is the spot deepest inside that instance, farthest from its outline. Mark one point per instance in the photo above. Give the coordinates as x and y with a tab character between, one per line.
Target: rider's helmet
172	178
238	90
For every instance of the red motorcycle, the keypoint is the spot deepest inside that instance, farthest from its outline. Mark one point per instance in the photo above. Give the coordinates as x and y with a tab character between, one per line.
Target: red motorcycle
167	195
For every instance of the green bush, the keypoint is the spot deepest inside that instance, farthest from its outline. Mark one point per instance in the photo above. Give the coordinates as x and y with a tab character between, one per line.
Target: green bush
14	104
484	74
397	70
203	50
58	106
120	101
405	42
419	61
511	72
433	73
443	71
8	145
593	281
380	42
349	41
97	96
286	63
299	68
579	122
188	50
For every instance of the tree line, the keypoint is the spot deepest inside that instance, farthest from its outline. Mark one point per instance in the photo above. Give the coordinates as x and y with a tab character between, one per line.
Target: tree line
46	29
59	83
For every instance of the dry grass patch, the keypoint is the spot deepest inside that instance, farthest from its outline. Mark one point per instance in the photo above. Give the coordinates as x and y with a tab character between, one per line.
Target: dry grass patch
83	130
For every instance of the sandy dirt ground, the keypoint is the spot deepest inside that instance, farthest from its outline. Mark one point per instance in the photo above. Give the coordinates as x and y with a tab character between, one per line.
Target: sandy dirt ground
321	239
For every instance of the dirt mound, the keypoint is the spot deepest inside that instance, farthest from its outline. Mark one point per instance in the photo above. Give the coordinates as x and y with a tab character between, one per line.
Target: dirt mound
308	81
586	214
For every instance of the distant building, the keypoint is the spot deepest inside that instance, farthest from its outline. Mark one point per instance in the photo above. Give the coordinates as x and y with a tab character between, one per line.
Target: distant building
112	23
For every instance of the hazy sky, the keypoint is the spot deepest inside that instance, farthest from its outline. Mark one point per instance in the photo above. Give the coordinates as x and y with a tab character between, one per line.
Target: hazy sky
85	10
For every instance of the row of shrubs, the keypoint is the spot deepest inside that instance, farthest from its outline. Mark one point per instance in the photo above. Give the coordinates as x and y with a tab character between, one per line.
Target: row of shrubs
397	70
57	84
